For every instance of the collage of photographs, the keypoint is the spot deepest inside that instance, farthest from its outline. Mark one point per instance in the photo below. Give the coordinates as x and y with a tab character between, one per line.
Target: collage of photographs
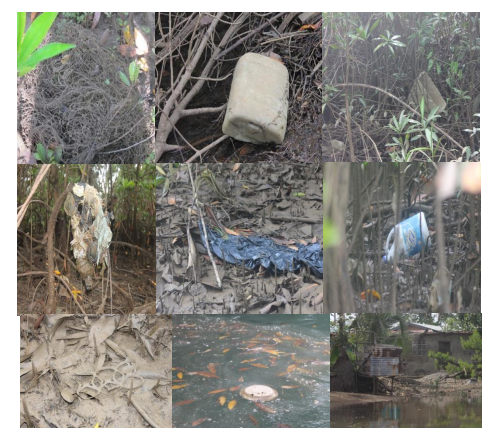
203	198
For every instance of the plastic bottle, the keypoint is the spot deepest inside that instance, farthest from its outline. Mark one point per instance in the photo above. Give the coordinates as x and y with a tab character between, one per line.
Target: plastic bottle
410	236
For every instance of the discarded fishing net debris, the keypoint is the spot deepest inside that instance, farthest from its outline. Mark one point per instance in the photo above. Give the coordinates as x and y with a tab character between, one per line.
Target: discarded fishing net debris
78	102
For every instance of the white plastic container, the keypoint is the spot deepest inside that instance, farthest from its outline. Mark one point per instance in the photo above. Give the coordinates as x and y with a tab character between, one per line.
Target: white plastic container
410	236
258	103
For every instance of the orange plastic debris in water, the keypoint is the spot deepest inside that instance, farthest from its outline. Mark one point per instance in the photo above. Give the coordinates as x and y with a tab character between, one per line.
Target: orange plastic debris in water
232	404
222	400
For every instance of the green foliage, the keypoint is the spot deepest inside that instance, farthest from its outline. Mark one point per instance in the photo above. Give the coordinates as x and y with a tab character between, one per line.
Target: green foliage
463	322
78	17
47	155
133	72
390	41
28	56
127	184
409	130
452	365
355	330
124	79
122	22
388	50
150	159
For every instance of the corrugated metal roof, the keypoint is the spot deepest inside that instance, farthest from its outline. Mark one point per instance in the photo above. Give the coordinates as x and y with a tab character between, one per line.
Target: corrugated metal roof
434	328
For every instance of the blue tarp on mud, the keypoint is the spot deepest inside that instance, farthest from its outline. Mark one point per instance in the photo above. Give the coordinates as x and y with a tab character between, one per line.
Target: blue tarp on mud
260	251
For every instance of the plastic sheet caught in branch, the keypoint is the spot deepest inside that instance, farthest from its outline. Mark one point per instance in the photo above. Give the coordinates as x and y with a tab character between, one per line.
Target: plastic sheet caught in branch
260	251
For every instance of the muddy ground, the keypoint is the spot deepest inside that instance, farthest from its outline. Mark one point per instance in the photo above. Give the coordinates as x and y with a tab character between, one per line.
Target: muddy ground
280	201
132	276
110	370
405	388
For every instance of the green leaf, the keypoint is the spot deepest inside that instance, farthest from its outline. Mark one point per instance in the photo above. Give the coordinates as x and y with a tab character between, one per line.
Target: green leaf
428	135
24	71
374	26
21	24
49	51
124	78
422	106
160	170
378	47
40	153
133	71
432	114
35	35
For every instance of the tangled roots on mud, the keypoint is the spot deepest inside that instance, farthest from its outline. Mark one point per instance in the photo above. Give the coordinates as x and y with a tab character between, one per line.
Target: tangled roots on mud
77	100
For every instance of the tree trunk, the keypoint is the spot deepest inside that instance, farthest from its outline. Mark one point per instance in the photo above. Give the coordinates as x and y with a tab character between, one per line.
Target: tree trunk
339	296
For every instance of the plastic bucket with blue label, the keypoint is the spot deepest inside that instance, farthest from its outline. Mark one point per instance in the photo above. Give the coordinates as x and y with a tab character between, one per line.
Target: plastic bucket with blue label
410	235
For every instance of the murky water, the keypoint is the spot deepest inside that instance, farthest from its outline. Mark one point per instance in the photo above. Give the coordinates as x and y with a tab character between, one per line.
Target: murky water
427	412
223	354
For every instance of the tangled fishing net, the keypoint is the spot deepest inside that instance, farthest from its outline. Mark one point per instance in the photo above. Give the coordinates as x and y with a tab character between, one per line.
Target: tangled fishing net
79	102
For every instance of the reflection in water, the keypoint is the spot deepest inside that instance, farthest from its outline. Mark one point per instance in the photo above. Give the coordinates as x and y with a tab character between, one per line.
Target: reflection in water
426	412
214	357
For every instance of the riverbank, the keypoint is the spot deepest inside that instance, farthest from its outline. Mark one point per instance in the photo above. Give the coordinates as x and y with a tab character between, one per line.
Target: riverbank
339	399
406	387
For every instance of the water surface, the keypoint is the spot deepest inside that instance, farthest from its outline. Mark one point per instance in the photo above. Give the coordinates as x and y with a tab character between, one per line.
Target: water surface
425	412
289	353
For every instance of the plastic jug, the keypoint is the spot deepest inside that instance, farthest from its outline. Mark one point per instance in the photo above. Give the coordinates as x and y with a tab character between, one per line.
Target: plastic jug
410	235
258	103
